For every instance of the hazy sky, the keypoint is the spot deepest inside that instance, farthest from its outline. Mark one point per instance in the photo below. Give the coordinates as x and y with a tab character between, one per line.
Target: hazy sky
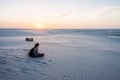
59	13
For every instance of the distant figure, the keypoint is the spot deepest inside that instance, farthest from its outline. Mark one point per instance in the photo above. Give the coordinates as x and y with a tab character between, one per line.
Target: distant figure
29	39
34	51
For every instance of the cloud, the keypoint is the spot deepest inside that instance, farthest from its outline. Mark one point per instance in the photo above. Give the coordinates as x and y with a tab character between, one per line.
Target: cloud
52	17
64	15
56	16
108	11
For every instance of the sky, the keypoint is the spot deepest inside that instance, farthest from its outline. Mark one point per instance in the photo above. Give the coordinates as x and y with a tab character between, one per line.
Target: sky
60	14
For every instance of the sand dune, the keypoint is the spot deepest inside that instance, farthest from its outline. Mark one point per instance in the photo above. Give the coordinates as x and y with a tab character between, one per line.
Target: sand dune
67	57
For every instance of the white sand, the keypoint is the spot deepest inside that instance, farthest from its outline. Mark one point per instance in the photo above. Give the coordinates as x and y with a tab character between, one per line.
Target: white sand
66	58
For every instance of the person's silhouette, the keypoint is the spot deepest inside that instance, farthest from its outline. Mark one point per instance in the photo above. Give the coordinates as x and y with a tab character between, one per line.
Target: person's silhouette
34	51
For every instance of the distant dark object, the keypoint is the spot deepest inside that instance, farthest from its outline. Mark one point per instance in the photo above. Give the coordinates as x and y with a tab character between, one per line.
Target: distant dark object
29	39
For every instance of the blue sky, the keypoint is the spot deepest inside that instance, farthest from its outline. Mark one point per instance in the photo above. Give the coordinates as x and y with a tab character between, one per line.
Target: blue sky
60	13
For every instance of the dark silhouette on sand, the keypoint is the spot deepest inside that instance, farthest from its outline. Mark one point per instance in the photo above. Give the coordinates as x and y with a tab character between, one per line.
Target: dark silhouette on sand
34	51
29	39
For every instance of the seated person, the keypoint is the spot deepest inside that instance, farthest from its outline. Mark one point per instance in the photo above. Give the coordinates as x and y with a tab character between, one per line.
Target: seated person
34	51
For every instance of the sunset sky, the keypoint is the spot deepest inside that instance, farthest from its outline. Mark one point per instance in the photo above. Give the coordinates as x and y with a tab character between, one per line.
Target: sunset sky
60	14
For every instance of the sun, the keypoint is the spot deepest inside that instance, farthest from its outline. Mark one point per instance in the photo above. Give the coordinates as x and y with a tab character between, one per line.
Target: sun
39	25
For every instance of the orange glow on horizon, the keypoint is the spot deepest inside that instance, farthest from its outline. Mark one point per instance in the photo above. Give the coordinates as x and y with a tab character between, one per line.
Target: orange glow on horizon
39	25
14	24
